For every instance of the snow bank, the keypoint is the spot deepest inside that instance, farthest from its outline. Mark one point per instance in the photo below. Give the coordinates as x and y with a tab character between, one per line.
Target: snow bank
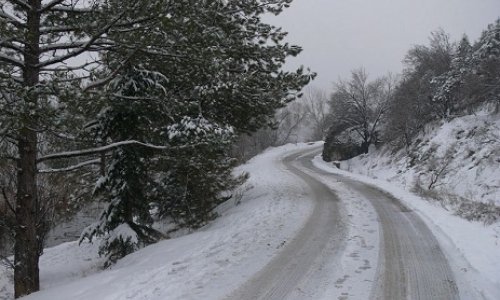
207	264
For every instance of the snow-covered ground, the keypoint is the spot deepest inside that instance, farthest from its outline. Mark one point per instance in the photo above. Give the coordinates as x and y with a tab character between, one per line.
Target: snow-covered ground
206	264
472	248
251	230
462	156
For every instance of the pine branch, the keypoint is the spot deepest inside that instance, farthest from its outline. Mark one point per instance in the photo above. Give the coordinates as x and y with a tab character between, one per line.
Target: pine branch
71	10
110	77
97	150
76	45
12	20
72	168
50	5
65	68
83	48
59	29
9	45
11	60
22	4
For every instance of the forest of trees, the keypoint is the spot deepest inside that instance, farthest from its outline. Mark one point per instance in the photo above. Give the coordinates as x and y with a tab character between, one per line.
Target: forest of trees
440	81
136	104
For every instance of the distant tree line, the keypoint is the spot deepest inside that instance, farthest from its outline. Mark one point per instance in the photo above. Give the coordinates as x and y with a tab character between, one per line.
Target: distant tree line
440	81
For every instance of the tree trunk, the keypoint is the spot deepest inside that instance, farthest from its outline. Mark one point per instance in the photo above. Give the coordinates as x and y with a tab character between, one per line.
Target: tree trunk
26	248
28	235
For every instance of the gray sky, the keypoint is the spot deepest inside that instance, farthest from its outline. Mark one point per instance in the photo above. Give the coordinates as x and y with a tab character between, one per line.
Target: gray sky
340	35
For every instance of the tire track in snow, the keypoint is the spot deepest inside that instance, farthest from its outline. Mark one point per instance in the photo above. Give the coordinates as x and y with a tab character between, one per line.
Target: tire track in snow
294	264
411	263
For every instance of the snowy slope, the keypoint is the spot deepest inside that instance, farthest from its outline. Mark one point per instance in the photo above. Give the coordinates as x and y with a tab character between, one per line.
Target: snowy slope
206	264
463	154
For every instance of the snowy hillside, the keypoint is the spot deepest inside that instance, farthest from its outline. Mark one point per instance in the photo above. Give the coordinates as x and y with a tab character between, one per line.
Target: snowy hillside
207	264
456	163
263	221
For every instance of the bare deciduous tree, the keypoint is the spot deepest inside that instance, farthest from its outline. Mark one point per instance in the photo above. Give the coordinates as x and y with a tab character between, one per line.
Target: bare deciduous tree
318	117
360	105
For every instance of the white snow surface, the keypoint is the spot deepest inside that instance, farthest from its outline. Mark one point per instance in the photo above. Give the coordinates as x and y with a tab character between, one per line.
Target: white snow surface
472	248
215	260
466	148
206	264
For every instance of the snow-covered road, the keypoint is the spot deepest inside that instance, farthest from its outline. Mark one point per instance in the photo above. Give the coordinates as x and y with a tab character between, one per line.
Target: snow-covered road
410	263
321	239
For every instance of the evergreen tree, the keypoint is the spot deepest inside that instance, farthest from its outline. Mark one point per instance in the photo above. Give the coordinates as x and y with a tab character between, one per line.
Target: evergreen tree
40	42
216	60
450	91
486	65
125	186
220	71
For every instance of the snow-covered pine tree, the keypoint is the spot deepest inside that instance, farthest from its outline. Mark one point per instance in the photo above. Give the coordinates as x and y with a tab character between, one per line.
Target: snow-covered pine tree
220	77
132	109
473	77
47	51
197	177
486	65
219	59
450	86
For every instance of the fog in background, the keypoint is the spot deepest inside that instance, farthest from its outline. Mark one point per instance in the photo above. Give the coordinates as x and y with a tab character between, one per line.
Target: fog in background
340	35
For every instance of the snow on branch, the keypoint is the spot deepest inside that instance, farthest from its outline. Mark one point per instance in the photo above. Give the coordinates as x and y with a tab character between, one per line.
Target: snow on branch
50	5
11	19
11	60
75	45
97	150
91	42
112	75
21	3
8	44
72	168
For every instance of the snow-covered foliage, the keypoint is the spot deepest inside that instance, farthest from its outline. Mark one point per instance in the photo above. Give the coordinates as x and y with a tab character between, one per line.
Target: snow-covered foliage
198	130
473	76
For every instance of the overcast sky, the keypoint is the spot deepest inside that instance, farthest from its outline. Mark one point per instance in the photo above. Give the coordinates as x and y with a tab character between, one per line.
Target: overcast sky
340	35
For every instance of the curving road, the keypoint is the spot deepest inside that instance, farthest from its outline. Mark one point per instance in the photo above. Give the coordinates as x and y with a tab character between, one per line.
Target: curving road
411	264
283	274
